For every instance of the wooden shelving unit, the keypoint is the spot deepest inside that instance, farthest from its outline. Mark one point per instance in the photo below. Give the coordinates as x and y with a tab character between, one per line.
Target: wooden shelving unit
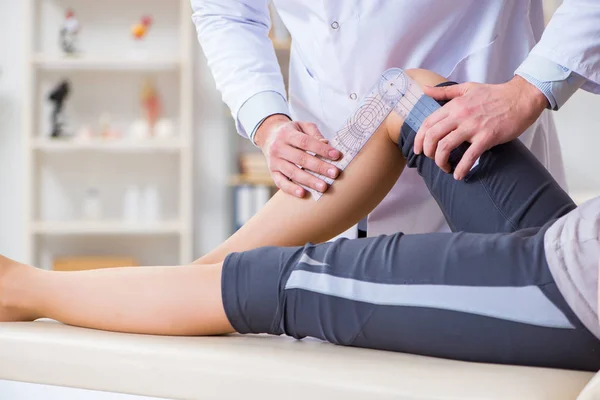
115	146
237	180
108	59
113	228
105	63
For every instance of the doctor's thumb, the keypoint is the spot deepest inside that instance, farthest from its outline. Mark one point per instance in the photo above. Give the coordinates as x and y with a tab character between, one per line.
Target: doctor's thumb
445	92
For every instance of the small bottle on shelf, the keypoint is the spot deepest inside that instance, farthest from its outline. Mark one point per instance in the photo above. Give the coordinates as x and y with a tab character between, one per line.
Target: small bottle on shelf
92	205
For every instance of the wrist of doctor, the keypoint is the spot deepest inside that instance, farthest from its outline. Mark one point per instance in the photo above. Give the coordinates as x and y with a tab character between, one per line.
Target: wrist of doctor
286	145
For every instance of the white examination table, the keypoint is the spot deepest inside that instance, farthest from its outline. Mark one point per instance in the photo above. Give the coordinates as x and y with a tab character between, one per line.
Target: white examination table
261	367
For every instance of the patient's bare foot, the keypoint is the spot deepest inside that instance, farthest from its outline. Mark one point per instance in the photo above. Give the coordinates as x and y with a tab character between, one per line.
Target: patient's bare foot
9	281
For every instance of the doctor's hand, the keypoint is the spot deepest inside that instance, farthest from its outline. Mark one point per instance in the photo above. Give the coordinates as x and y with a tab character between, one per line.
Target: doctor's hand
285	144
481	114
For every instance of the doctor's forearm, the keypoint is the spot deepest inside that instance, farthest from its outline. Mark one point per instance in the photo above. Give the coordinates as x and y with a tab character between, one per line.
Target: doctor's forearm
234	35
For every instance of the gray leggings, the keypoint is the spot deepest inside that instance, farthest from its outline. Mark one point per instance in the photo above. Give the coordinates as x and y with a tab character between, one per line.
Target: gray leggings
483	293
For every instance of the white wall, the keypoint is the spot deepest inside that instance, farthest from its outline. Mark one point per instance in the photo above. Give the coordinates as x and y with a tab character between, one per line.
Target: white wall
11	164
578	124
214	162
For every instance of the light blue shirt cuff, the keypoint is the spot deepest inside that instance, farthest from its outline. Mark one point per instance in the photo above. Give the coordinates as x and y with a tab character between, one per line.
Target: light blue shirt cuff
258	107
556	82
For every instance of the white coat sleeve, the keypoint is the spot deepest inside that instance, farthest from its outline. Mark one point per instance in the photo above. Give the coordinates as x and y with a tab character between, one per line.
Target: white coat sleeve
234	35
572	40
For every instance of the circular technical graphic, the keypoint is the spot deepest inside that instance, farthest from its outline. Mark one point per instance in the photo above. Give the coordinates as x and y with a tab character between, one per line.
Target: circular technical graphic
367	118
392	84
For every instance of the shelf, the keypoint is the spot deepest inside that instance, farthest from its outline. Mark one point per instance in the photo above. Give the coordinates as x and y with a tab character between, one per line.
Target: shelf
106	63
236	180
112	69
114	146
105	228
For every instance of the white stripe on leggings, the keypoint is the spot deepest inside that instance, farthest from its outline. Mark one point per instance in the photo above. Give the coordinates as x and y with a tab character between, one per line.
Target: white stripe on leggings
525	304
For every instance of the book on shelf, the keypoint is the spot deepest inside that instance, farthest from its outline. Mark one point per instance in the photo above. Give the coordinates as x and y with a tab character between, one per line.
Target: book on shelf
247	201
254	169
253	163
253	187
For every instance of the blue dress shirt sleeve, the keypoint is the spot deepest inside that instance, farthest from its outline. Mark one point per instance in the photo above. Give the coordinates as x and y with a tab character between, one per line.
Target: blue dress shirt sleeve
572	39
234	35
556	82
257	108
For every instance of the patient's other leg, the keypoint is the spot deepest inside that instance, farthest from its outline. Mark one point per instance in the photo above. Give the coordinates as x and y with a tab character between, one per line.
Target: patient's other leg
182	300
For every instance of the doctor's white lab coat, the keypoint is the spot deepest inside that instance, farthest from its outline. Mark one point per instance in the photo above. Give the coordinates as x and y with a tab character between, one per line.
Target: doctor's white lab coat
340	47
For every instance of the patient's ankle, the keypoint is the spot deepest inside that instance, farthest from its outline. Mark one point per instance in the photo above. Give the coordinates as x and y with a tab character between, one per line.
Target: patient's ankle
13	284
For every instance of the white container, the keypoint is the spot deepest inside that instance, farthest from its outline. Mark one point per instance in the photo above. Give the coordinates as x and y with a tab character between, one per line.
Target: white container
151	204
132	204
164	129
92	206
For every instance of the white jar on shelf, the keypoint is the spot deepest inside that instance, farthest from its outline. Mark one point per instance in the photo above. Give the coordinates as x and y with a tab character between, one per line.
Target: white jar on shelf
131	204
151	204
92	205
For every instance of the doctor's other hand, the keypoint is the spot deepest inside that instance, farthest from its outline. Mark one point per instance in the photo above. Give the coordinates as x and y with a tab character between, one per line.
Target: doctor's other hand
482	114
285	144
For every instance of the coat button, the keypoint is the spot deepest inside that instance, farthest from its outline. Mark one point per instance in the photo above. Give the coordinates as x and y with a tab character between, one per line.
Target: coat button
353	96
335	25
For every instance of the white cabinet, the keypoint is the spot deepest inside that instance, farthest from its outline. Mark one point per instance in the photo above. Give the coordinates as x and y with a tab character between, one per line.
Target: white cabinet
106	78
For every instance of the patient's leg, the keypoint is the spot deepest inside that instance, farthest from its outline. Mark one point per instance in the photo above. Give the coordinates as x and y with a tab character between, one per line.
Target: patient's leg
289	221
186	299
182	300
509	190
468	296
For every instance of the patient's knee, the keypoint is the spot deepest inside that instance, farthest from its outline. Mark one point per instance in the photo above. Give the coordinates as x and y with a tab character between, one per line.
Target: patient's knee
425	77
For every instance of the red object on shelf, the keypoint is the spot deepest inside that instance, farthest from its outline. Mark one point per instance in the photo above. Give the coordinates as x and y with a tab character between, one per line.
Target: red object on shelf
146	20
140	29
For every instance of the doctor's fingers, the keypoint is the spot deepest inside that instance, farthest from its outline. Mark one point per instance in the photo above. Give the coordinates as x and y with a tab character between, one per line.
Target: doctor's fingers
283	183
447	144
299	176
314	144
468	159
436	133
308	162
429	122
310	129
444	93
